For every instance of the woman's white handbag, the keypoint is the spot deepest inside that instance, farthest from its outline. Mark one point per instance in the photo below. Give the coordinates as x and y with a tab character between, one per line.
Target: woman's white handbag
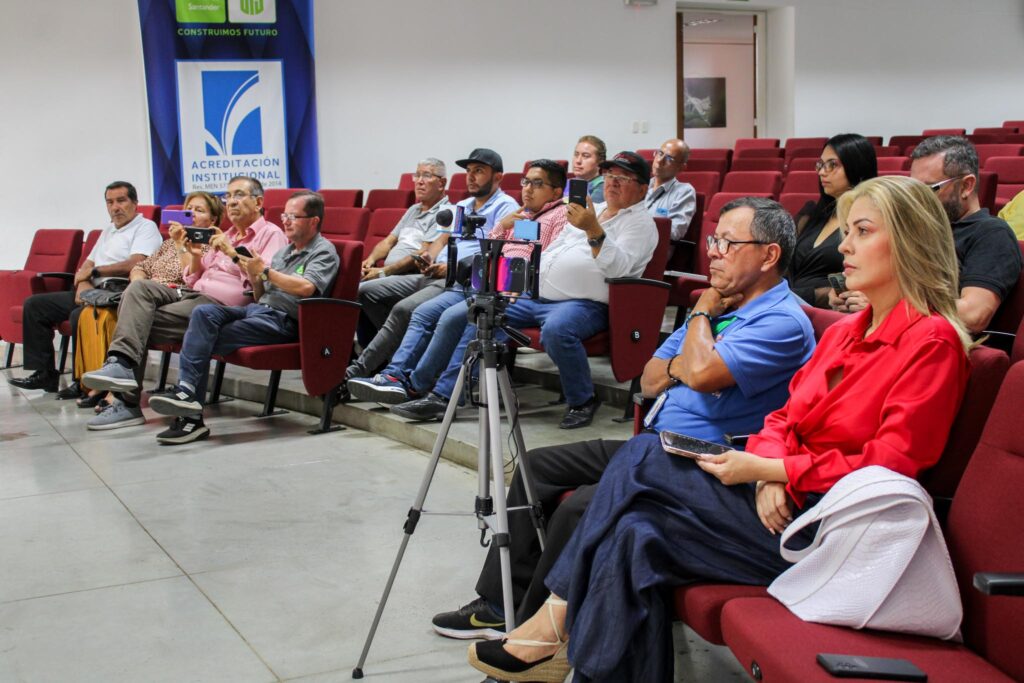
878	560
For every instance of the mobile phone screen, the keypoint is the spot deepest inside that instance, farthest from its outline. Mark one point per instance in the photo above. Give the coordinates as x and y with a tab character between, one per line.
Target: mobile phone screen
526	230
578	192
690	447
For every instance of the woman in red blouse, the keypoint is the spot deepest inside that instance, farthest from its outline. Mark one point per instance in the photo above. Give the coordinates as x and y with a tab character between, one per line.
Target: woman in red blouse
882	388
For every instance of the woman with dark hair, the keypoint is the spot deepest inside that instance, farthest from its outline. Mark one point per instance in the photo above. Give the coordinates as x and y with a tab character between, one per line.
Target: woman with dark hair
847	159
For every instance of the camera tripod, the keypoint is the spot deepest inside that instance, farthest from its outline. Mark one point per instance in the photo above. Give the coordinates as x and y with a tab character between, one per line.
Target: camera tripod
487	310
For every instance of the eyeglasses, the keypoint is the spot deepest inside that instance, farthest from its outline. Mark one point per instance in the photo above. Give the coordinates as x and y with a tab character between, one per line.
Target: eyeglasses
425	176
828	165
618	179
535	183
288	217
228	196
658	154
723	244
935	187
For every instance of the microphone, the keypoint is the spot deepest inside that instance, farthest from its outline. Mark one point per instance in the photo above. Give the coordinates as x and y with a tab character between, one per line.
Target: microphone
444	218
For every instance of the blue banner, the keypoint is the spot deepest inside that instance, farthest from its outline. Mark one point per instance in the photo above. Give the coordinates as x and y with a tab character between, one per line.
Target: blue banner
231	91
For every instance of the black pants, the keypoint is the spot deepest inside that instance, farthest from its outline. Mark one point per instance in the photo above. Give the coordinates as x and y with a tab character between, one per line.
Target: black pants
43	312
555	470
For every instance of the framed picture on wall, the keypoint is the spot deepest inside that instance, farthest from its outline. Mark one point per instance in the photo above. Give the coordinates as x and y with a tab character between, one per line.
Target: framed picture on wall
704	102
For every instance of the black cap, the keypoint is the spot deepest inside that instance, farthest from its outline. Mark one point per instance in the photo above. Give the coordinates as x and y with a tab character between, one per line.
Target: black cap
631	161
482	155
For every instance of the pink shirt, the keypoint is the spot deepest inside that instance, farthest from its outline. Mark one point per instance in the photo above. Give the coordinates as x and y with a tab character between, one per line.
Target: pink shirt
552	220
221	279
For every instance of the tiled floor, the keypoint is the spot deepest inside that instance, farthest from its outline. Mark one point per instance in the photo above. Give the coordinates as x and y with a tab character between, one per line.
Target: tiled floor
258	555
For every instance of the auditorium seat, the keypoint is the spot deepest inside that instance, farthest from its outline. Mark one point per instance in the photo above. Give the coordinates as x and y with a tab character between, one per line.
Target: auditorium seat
405	182
999	150
757	153
390	199
723	153
511	181
906	143
793	202
875	140
272	214
1010	177
994	132
705	182
516	195
802	181
932	132
647	154
746	163
457	181
893	164
382	222
345	223
1015	126
350	199
278	196
51	251
769	182
456	196
802	153
988	184
801	164
797	147
888	151
754	143
150	211
719	166
982	533
1008	318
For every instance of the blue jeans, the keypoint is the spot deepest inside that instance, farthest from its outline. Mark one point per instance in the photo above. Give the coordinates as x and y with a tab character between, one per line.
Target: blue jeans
422	325
563	327
220	330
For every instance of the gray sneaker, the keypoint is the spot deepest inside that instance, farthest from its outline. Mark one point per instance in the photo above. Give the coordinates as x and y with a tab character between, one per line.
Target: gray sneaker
111	377
115	416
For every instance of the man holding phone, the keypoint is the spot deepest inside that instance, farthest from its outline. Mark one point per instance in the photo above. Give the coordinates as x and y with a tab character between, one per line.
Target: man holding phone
420	358
151	312
726	368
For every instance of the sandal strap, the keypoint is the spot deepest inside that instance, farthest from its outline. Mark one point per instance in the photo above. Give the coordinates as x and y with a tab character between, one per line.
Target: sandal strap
551	602
532	643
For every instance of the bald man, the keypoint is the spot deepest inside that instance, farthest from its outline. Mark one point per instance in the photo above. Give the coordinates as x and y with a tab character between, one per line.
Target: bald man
666	196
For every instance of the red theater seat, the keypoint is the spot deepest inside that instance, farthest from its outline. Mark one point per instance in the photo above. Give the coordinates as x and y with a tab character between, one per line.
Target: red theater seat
886	164
279	196
719	166
768	182
390	199
932	132
382	222
757	153
754	143
704	182
345	224
801	181
349	199
794	202
747	163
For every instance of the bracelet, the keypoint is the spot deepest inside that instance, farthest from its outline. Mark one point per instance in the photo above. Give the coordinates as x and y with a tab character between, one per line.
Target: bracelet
668	371
696	314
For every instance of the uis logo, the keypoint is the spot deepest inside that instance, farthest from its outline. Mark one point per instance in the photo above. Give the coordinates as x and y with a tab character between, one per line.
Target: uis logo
231	113
219	11
252	11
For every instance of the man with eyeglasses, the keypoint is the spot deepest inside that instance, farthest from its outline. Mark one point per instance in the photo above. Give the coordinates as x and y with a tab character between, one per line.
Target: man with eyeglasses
573	304
419	360
668	197
484	169
305	267
406	252
986	247
153	313
720	373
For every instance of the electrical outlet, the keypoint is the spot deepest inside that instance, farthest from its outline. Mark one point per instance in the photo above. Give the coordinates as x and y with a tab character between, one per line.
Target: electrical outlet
636	126
643	126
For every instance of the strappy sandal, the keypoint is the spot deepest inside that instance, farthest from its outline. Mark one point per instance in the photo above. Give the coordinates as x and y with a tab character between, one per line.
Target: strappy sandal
493	659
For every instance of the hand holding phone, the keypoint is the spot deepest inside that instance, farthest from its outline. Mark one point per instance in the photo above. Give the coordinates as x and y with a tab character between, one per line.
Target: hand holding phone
198	235
578	192
690	447
837	281
242	251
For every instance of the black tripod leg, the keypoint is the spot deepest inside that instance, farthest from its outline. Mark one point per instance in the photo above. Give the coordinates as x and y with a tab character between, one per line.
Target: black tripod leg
413	517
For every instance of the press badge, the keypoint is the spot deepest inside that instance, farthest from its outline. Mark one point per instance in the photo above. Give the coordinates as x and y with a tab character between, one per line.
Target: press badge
653	412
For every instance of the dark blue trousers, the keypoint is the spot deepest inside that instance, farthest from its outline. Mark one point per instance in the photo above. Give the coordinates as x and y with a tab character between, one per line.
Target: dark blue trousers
656	522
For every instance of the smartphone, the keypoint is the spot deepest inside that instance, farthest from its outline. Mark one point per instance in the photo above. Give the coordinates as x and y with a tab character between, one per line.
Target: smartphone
183	217
881	668
199	235
526	230
420	261
578	192
242	251
838	282
512	276
690	447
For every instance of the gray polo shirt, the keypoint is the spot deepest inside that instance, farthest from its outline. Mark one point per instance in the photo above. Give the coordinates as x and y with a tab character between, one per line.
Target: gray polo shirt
318	263
674	200
416	227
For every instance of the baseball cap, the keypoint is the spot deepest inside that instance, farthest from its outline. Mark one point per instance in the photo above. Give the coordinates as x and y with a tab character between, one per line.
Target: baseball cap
482	155
630	161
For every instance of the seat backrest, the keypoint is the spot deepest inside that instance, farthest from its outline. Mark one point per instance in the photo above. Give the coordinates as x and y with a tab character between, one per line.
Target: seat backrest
753	143
350	257
801	164
382	222
802	153
1014	125
805	143
1009	169
893	163
647	154
278	196
996	132
888	151
511	181
90	241
988	186
984	530
793	202
802	181
711	153
746	163
1011	311
351	199
655	269
390	199
456	196
931	132
757	153
457	181
753	181
150	211
821	318
405	182
998	150
345	223
54	251
875	140
705	182
988	368
906	143
719	166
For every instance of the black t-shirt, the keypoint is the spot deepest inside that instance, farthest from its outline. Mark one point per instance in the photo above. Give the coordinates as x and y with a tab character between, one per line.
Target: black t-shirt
812	264
988	253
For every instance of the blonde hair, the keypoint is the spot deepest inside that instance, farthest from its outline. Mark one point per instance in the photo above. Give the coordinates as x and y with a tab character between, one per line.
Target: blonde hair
212	203
923	254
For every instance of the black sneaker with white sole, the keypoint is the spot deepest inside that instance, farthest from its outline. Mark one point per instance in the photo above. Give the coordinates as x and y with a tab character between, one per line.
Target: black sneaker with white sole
178	401
184	430
475	620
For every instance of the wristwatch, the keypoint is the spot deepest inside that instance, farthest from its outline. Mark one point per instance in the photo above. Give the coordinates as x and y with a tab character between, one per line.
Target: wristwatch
95	273
596	241
265	275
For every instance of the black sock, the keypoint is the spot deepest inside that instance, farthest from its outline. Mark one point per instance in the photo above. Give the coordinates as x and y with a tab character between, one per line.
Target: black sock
122	359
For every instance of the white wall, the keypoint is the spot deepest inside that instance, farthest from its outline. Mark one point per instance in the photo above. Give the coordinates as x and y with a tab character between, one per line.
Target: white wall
398	80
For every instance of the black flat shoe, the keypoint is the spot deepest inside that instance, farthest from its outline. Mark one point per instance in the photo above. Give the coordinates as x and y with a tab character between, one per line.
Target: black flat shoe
580	416
47	381
72	391
491	657
88	401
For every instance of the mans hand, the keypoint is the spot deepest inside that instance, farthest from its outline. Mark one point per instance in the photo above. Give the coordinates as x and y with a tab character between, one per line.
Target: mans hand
253	266
773	507
508	222
423	262
82	275
436	270
221	243
714	304
583	218
731	467
79	288
371	274
366	265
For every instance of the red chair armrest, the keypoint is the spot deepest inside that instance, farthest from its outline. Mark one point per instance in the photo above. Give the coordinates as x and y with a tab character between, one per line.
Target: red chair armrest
636	308
326	329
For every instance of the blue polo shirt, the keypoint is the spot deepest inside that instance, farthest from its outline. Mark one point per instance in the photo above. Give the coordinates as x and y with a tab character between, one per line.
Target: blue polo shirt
763	344
497	207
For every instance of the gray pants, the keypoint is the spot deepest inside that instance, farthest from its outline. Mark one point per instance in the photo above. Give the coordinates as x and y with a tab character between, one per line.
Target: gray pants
390	334
151	313
379	296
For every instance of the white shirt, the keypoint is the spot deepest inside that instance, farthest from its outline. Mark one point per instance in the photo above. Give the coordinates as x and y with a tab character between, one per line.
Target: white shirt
569	270
140	236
